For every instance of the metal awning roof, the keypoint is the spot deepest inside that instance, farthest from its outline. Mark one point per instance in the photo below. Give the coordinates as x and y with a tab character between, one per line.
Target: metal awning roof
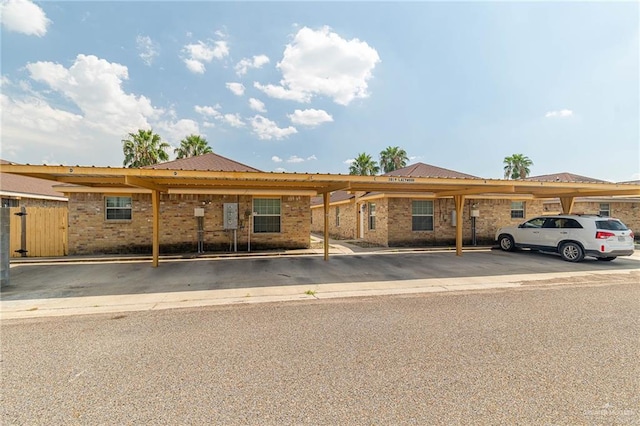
94	179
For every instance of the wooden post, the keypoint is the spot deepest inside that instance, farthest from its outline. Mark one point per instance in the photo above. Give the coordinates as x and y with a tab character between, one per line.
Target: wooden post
155	201
567	204
459	202
326	196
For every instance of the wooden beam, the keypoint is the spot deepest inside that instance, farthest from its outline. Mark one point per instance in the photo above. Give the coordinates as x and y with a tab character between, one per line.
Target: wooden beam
142	183
345	186
326	197
475	190
459	202
246	191
567	204
155	201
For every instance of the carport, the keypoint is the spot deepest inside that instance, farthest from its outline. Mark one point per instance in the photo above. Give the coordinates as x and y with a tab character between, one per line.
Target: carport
157	181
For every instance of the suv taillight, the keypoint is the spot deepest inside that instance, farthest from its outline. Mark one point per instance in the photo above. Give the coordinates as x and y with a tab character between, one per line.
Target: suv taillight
631	235
601	235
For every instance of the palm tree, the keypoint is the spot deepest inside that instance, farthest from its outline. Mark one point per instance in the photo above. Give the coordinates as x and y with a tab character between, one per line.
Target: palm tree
364	165
144	149
393	158
517	166
193	145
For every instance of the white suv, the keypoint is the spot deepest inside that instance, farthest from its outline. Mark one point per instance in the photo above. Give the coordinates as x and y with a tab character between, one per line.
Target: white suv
573	236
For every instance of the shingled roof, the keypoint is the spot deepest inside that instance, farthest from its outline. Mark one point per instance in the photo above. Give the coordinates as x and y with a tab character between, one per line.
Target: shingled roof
427	170
564	177
27	187
335	197
211	162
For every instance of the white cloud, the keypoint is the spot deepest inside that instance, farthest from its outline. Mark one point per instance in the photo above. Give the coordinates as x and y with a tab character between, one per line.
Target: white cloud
276	159
236	88
256	62
233	120
200	53
23	16
148	49
310	117
280	92
267	129
281	169
295	159
210	111
174	131
560	114
83	110
348	161
323	63
312	157
257	105
95	86
208	124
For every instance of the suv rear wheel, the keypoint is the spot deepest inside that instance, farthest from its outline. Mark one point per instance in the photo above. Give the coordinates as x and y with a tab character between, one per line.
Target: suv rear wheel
571	252
506	242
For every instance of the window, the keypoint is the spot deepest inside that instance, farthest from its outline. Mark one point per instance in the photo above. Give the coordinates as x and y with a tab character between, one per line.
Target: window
372	215
266	215
117	208
605	210
337	216
422	215
517	209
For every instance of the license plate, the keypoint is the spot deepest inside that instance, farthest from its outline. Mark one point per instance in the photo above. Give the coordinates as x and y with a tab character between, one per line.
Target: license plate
621	238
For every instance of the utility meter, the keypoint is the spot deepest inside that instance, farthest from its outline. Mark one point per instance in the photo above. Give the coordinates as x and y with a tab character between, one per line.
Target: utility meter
230	219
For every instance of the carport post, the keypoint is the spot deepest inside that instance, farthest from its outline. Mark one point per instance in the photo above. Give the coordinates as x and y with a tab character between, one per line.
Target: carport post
567	204
155	201
459	201
325	198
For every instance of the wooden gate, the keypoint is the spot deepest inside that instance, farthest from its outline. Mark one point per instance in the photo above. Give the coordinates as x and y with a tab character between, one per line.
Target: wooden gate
46	231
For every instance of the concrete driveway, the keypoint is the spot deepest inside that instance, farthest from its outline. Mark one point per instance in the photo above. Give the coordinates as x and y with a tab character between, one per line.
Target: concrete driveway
90	287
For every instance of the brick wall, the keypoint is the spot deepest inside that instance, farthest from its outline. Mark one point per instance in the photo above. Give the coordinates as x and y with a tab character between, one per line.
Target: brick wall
348	220
89	232
493	215
380	235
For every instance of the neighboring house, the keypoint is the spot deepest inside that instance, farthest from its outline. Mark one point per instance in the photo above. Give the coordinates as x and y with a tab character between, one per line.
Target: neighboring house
119	219
42	231
627	209
428	219
24	191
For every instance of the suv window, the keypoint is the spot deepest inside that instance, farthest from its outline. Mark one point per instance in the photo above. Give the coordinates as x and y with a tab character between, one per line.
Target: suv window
534	223
611	225
570	223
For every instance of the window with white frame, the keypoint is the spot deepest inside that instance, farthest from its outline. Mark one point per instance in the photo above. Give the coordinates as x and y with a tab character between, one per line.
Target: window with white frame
605	209
517	209
337	216
422	215
117	208
266	216
371	208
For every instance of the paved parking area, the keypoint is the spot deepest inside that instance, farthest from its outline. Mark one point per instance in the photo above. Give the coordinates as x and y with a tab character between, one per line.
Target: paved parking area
66	287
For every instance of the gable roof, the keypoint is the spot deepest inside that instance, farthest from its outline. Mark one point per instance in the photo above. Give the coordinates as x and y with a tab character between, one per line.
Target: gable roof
564	177
427	170
27	187
210	162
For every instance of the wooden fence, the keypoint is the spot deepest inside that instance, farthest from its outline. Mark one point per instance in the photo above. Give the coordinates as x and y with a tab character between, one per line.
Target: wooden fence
46	231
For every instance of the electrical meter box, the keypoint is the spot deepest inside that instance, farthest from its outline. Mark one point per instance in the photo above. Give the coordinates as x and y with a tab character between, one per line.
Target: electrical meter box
454	218
198	212
230	216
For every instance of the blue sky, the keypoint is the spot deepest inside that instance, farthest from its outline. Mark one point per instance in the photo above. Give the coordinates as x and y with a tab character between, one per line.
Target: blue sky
307	86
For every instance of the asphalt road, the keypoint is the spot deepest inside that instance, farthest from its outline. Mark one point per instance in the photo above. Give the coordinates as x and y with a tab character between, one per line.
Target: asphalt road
542	355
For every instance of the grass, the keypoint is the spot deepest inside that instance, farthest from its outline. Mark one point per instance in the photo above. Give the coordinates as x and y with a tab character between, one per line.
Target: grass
310	292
